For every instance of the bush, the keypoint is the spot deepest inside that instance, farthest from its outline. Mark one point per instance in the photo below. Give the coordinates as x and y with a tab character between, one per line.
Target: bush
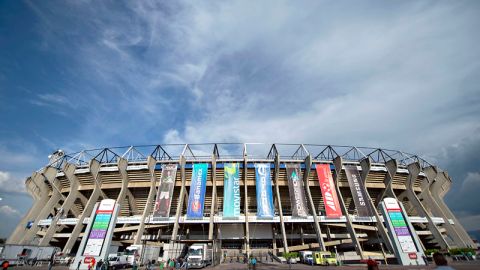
431	251
461	251
290	255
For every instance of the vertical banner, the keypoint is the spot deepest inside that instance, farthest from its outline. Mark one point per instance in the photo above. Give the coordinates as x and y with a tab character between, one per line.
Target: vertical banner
196	198
264	191
329	193
358	191
165	191
296	190
98	232
231	190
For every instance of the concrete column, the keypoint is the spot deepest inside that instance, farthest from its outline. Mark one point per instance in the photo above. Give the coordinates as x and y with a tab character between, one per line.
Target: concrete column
306	176
430	175
40	200
366	165
49	174
438	189
280	211
151	163
338	168
69	171
245	188
413	172
122	169
214	198
87	210
180	202
392	167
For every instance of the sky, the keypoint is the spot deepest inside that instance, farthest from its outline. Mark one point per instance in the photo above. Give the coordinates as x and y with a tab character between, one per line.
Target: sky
393	74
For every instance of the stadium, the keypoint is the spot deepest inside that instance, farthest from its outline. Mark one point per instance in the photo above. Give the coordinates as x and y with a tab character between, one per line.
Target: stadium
246	199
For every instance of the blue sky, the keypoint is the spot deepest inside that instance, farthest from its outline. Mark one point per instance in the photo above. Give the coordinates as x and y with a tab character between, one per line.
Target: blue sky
84	74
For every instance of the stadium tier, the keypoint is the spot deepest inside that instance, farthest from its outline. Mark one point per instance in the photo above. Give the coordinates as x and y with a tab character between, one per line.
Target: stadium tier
245	198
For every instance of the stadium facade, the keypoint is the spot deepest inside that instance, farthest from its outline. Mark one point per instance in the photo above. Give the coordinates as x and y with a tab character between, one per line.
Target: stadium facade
246	198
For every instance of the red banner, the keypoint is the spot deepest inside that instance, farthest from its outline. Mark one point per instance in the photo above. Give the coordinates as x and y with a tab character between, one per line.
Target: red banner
330	199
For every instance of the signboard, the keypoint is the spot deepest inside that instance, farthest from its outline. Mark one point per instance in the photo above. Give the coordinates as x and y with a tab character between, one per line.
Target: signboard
198	186
358	191
399	224
231	190
329	194
99	228
264	191
165	191
296	190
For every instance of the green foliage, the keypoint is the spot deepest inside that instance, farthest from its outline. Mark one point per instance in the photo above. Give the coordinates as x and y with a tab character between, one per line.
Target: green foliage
461	251
290	255
431	251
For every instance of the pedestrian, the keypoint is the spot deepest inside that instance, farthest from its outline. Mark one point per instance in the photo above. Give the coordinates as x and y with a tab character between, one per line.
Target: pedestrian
134	264
5	265
254	263
172	264
99	265
50	262
78	265
161	265
441	262
372	264
92	264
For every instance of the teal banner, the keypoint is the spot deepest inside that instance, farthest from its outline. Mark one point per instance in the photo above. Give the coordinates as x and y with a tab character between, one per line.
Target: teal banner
231	190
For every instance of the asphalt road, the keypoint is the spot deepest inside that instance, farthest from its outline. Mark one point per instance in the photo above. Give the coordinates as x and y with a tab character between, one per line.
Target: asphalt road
471	265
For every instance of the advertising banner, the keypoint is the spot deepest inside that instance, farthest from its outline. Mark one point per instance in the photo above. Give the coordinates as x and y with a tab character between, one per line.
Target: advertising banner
99	228
358	191
297	191
165	191
397	219
264	191
196	198
329	193
231	190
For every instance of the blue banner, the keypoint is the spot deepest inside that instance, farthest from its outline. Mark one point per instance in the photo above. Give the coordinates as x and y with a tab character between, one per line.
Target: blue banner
264	191
196	198
231	190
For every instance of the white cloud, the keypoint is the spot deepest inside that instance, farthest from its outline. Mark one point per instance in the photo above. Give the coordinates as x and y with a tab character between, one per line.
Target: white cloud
9	211
8	183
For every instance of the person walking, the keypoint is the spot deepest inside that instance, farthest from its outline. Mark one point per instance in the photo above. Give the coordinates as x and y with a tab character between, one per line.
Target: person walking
254	263
134	264
5	265
99	265
171	265
441	262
